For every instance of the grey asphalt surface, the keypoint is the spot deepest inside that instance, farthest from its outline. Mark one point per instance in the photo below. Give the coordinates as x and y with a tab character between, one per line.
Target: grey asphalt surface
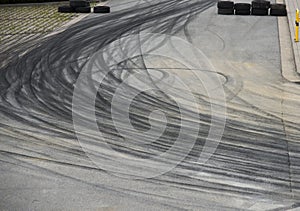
254	167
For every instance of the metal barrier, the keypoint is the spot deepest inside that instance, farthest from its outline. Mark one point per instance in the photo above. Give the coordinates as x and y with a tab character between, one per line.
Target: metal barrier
297	26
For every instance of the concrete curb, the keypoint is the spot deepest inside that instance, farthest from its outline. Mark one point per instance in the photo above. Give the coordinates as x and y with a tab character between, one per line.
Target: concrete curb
288	50
291	21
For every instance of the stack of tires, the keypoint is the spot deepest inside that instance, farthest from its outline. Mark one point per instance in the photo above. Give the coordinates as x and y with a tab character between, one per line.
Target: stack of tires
260	7
101	9
242	8
82	6
278	10
225	8
257	7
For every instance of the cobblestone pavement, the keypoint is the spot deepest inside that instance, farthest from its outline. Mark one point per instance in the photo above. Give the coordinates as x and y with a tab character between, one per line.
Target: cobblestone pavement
23	23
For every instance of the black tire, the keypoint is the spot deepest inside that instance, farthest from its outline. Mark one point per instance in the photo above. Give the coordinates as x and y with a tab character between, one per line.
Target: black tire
242	6
65	9
242	12
101	9
79	3
278	12
278	6
260	4
225	5
261	12
83	9
225	11
263	1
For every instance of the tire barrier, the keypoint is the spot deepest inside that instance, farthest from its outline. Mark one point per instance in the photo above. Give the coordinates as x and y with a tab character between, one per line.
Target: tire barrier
260	12
225	8
260	4
101	9
242	8
256	7
66	9
225	5
79	3
225	11
278	10
83	6
83	9
242	12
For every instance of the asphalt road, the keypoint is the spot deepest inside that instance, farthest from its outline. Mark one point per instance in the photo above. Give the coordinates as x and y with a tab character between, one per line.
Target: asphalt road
159	105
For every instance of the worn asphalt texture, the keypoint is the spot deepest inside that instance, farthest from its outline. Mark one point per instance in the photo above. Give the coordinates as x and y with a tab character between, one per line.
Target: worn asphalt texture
255	165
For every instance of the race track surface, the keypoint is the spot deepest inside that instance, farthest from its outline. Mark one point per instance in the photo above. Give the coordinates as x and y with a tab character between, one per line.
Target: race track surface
159	105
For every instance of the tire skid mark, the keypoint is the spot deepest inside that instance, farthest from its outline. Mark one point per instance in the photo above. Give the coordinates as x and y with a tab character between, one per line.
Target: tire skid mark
252	152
